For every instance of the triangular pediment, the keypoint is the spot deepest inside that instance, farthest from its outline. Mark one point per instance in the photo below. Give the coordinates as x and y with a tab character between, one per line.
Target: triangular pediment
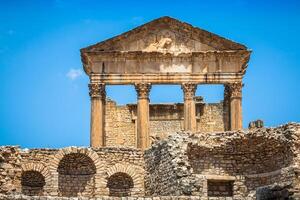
166	34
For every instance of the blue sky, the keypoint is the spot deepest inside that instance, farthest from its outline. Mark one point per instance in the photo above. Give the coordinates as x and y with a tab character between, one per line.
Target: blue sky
44	95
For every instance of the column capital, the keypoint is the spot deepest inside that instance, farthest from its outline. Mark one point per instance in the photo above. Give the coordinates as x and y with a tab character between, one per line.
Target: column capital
189	90
234	89
97	90
143	90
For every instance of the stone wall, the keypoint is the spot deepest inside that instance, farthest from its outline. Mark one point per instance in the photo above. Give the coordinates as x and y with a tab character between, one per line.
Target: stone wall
161	178
120	128
71	172
24	197
168	169
10	171
210	117
246	159
160	129
223	165
165	119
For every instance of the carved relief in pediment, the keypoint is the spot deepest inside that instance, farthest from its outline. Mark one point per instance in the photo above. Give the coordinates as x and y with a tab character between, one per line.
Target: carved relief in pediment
166	41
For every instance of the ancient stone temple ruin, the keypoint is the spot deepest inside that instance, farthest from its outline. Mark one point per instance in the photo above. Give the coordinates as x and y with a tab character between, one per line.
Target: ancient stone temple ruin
164	51
187	150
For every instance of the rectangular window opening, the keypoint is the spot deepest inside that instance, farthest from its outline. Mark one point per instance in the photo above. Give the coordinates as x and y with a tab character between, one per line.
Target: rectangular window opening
220	188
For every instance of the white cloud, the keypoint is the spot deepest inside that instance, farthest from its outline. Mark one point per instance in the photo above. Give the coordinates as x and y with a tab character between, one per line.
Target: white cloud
74	73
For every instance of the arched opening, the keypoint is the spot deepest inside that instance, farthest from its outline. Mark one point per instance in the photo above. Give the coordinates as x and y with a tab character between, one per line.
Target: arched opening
76	175
120	184
32	183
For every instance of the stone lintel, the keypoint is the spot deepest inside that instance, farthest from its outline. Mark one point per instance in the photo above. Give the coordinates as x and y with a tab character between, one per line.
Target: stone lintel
167	78
218	177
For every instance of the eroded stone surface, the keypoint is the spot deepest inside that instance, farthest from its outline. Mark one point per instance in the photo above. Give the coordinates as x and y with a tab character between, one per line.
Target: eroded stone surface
184	163
207	165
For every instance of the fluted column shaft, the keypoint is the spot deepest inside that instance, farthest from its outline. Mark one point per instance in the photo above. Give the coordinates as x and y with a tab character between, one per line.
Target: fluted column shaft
143	136
235	105
190	123
97	134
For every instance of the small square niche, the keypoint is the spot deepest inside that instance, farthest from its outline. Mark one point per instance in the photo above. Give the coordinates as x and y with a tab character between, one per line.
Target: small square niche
220	188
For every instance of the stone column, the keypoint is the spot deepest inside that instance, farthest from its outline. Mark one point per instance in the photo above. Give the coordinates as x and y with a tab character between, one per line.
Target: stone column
143	136
189	90
226	108
97	94
235	105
